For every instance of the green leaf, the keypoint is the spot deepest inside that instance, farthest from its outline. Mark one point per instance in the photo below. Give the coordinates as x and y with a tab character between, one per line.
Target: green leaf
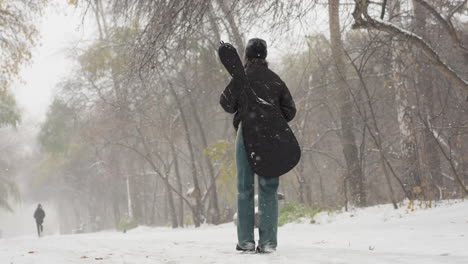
9	112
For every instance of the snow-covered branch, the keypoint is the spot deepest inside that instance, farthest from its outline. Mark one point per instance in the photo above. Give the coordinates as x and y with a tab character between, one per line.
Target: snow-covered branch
446	23
364	21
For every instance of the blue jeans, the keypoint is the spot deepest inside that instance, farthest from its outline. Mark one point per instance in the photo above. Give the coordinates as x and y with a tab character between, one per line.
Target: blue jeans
267	200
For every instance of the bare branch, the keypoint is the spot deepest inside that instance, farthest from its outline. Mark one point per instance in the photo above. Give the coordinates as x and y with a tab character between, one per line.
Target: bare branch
446	23
384	5
363	20
456	9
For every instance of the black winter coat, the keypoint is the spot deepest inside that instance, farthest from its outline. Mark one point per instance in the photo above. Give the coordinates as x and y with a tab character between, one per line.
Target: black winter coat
264	104
39	214
267	85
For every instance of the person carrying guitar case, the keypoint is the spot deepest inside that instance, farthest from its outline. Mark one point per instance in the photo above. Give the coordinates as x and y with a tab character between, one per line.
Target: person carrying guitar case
273	97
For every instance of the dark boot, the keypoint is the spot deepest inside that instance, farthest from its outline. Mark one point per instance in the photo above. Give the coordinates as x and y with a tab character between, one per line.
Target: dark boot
265	249
249	247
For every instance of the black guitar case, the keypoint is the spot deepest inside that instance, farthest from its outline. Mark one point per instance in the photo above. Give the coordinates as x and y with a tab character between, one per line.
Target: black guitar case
271	146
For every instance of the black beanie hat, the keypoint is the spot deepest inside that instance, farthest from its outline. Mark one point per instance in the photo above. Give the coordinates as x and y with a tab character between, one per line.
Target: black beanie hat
256	48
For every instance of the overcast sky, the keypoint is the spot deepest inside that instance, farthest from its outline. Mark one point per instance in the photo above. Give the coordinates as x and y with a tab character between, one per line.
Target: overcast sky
60	28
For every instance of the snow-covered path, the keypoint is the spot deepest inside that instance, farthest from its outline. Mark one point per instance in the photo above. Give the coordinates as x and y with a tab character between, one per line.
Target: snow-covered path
376	235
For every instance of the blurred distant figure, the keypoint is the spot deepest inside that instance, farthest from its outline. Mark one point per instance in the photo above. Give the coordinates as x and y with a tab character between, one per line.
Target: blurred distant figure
39	215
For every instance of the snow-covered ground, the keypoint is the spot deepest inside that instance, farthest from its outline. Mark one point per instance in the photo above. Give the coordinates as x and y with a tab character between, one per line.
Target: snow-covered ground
376	235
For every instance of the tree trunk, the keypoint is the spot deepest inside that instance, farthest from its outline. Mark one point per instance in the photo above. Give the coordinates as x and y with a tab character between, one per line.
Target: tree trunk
136	199
464	159
213	191
129	197
350	150
425	84
408	144
321	187
179	184
154	202
198	207
115	176
170	203
300	180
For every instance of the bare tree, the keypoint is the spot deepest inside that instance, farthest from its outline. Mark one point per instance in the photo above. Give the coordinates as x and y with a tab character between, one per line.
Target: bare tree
348	139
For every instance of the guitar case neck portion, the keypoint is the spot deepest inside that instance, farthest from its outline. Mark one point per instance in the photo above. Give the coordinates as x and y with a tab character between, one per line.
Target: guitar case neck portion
271	146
